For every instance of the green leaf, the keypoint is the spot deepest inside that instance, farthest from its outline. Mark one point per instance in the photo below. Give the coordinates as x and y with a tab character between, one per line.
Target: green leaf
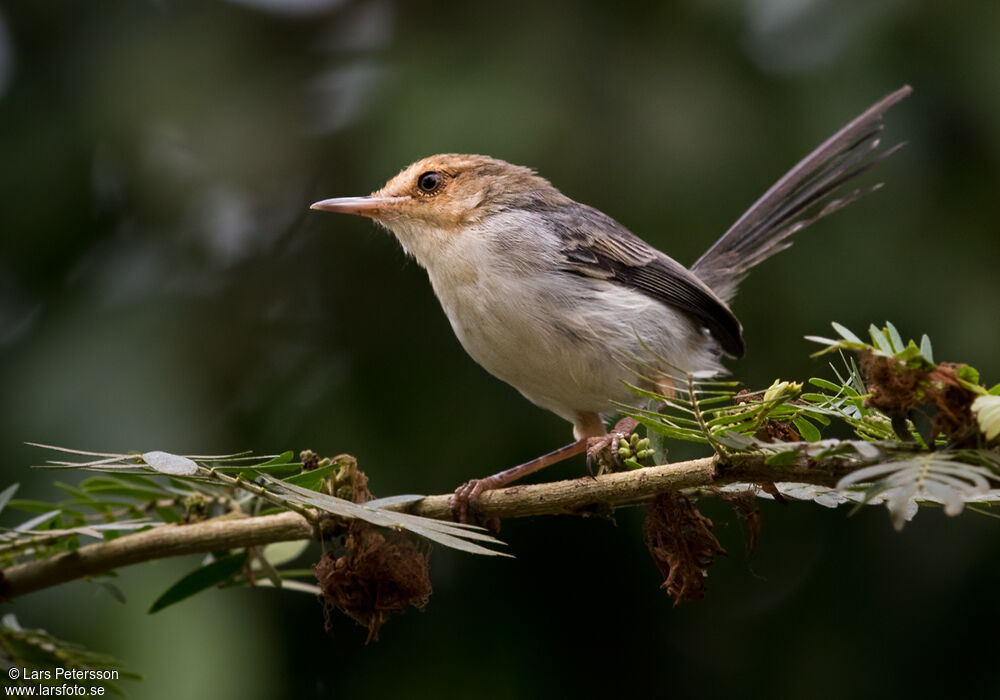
280	465
112	486
139	480
748	416
201	578
169	515
310	479
807	430
968	374
138	494
113	590
645	393
846	333
735	441
38	521
400	500
283	458
925	348
781	459
281	553
27	648
75	492
7	494
297	573
937	477
265	568
879	340
454	535
894	337
29	505
911	355
818	417
826	384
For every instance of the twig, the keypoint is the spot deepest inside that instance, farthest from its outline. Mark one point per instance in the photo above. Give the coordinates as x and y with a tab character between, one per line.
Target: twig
240	483
575	496
158	543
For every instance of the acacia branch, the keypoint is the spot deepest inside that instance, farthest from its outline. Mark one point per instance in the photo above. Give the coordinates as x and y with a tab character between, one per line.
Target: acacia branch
574	496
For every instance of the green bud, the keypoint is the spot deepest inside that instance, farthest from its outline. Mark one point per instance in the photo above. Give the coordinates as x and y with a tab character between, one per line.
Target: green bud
782	390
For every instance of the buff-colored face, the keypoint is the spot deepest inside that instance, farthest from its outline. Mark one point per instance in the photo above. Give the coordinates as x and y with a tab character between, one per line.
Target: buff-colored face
444	191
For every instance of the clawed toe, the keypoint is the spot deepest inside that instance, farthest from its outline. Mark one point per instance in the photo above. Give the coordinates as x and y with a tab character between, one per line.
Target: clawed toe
465	500
603	452
596	446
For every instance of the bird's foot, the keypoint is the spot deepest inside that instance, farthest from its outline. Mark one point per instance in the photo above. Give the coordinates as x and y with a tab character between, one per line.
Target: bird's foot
603	451
465	502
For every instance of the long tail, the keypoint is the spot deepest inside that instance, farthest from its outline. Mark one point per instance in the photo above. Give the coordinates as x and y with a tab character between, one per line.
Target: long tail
804	195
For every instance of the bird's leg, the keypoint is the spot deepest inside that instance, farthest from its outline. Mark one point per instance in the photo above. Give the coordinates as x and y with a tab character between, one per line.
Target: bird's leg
464	501
591	437
595	445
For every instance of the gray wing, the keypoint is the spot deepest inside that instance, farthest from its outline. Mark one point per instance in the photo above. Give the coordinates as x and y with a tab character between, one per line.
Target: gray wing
804	195
595	245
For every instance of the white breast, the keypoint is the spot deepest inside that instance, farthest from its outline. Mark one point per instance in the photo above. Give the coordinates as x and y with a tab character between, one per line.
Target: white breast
563	340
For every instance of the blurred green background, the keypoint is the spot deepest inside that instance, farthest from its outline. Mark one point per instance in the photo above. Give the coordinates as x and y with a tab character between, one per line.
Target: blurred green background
164	286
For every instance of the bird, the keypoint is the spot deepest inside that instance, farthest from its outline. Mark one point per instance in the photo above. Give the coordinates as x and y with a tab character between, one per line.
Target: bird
556	298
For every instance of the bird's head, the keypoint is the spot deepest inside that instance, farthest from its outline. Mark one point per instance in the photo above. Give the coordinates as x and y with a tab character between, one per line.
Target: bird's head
443	196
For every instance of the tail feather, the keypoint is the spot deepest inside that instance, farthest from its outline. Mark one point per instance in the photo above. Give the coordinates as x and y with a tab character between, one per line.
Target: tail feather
805	194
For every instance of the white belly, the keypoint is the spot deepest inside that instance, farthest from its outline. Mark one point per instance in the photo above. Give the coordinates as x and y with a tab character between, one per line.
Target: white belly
568	343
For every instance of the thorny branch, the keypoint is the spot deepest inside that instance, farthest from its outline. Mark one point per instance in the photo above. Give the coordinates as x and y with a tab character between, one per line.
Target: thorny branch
576	496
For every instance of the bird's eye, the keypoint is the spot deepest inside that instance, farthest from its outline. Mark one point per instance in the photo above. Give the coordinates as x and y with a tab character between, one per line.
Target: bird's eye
430	182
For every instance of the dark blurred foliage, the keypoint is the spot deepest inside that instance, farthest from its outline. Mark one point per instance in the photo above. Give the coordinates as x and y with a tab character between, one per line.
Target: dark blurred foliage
163	286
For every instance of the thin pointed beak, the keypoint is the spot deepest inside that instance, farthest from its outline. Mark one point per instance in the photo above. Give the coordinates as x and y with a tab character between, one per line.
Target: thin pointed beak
361	206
